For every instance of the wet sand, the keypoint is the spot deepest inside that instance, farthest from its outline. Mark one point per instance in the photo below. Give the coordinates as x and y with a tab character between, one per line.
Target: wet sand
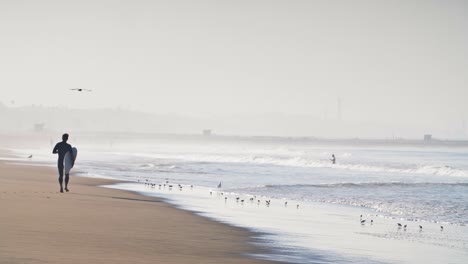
91	224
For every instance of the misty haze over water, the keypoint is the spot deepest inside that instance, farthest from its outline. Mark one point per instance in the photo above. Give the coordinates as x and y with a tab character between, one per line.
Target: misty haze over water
354	108
58	119
367	69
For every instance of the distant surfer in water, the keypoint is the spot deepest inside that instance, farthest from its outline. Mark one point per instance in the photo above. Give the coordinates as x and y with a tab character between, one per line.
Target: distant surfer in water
333	159
62	148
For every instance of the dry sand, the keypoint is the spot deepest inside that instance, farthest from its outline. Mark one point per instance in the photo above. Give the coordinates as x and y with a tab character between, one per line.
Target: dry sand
99	225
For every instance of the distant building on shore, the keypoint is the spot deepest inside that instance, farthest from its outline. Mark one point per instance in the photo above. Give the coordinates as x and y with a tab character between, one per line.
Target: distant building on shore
39	127
427	137
206	132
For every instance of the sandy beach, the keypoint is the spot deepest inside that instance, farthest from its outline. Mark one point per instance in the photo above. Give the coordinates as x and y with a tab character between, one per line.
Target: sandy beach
99	225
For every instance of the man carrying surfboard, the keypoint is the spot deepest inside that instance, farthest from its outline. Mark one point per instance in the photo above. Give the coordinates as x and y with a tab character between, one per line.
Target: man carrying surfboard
63	148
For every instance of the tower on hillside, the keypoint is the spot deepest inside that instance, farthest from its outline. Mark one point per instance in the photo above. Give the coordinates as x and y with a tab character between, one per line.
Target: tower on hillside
338	109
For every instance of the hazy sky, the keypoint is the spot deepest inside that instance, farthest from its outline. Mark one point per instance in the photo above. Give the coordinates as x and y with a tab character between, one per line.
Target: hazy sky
393	62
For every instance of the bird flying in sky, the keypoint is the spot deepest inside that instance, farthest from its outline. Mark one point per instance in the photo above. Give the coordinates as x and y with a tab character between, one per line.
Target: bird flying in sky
81	90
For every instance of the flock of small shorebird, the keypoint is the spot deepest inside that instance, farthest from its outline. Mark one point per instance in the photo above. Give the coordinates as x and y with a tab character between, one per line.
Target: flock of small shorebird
238	199
267	202
399	225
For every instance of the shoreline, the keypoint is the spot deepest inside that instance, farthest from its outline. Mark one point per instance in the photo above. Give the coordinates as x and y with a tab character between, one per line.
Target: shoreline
302	237
328	232
142	230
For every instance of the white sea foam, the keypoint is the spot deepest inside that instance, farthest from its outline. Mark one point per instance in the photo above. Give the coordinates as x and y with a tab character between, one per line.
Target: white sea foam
320	233
309	162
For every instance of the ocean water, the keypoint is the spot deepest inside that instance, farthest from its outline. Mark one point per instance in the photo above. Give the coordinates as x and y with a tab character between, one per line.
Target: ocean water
315	207
412	183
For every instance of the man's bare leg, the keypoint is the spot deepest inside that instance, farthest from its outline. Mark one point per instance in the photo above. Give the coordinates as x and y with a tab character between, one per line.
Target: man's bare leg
60	179
67	178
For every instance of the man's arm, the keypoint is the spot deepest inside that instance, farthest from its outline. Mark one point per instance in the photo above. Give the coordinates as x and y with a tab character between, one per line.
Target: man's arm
55	150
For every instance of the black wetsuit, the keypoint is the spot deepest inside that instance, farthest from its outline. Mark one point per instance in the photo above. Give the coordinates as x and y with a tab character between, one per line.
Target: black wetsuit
62	148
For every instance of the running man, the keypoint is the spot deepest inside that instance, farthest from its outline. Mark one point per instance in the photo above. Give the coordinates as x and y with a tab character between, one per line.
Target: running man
62	148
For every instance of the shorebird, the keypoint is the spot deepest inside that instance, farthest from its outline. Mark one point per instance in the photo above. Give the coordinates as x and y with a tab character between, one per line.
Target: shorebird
251	199
30	156
285	203
242	201
441	228
371	221
363	221
297	206
399	225
405	226
237	199
420	227
81	90
211	193
225	198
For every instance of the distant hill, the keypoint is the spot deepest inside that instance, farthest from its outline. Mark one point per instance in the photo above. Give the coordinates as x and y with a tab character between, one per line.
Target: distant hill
60	119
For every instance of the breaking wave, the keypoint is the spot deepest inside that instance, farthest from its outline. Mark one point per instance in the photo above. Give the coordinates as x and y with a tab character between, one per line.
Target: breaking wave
368	185
311	162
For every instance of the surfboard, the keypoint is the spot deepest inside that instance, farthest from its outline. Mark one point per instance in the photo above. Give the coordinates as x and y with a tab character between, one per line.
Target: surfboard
68	160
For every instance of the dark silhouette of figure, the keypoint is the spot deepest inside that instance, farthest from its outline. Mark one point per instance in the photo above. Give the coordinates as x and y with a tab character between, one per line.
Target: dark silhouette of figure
62	148
333	159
